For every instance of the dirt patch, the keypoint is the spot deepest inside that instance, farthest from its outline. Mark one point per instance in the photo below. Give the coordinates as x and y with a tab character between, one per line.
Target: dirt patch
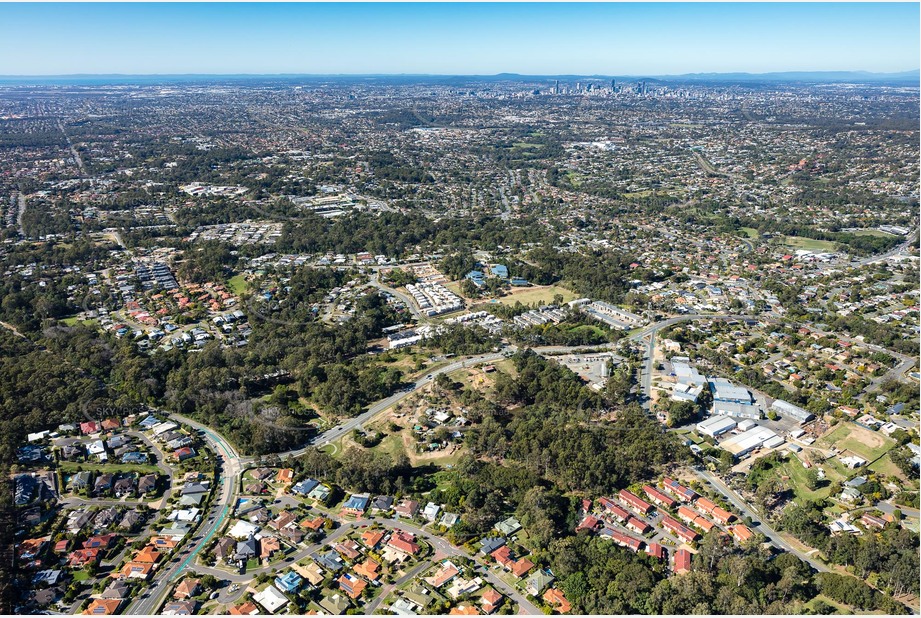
409	447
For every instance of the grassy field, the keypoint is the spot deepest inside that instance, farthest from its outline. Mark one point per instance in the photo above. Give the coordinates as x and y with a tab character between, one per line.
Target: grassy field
587	327
867	444
74	320
750	231
454	286
841	607
638	194
885	466
536	294
798	242
69	467
797	473
237	284
871	233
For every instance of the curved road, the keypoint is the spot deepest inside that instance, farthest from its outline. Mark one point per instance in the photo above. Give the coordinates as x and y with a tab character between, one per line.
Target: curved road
168	572
901	249
380	406
232	464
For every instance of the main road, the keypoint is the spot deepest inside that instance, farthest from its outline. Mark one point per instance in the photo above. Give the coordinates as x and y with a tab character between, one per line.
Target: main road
232	464
739	504
168	573
649	333
380	406
897	251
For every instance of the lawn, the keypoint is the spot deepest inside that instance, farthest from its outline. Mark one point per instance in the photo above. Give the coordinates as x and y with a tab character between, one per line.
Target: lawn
885	466
867	444
74	320
507	366
454	286
750	231
841	607
81	576
638	194
237	284
393	445
809	244
535	294
587	327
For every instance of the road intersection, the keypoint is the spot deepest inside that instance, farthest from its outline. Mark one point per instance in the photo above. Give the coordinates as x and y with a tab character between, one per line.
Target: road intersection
232	465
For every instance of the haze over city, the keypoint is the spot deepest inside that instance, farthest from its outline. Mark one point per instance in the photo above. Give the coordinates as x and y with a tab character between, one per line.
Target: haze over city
443	38
456	309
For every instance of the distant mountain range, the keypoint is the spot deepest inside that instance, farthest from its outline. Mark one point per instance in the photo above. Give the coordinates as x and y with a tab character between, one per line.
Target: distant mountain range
857	77
803	76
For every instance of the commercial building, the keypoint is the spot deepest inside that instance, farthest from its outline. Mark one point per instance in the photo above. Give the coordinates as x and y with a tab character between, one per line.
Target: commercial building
785	408
725	391
746	442
716	426
736	410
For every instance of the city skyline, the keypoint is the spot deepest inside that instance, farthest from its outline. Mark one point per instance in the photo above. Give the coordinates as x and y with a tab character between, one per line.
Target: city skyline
458	39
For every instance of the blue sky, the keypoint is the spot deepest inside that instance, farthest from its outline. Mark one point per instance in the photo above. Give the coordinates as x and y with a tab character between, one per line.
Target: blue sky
606	39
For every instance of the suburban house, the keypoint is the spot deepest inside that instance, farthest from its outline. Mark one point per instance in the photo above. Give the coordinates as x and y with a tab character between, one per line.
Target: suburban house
407	508
635	502
355	505
682	562
352	585
187	588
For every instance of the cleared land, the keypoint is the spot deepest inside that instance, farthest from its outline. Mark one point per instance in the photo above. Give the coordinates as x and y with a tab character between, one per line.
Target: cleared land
794	470
750	232
534	294
237	284
867	444
878	233
809	244
73	466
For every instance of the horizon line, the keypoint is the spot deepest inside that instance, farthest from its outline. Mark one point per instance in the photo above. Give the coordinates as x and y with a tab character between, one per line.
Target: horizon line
499	74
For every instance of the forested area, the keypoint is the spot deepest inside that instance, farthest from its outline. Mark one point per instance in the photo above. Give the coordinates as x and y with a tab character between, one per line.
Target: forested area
602	275
555	431
600	578
577	329
68	368
398	234
890	557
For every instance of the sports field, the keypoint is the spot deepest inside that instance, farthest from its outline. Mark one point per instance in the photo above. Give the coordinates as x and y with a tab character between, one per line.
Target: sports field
809	244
